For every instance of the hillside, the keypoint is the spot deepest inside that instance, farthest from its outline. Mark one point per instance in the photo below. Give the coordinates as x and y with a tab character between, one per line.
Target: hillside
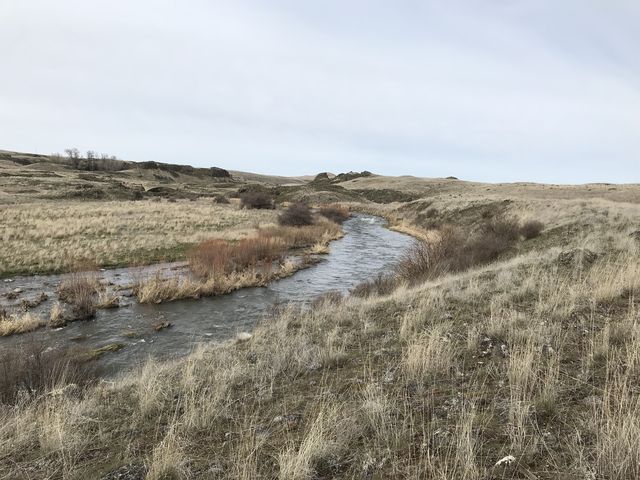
25	176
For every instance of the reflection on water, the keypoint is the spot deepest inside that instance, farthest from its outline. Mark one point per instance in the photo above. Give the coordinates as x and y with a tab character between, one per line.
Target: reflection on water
366	250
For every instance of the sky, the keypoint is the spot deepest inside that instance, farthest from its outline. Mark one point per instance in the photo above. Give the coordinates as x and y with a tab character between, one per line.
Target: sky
485	90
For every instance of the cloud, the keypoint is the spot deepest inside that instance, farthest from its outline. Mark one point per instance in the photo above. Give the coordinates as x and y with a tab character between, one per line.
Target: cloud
493	91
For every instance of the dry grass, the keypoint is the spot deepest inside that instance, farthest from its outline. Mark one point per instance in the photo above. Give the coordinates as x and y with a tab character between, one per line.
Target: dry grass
220	267
79	289
26	322
53	236
527	359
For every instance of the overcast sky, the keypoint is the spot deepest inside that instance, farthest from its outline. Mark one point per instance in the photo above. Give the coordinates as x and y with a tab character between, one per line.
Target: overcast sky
489	90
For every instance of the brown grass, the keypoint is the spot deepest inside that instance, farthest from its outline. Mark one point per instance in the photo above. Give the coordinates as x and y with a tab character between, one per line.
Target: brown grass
521	358
26	322
79	289
336	213
220	267
52	236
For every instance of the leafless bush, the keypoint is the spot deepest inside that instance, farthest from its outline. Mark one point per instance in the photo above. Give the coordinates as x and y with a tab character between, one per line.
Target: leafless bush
492	239
426	260
296	215
335	213
78	289
33	370
221	199
216	257
531	229
454	251
257	199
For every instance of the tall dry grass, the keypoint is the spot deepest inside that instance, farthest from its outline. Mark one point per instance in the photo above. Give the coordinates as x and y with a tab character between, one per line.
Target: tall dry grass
44	236
518	368
220	267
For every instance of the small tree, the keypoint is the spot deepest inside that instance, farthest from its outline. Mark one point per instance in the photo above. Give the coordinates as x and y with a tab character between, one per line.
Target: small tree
72	153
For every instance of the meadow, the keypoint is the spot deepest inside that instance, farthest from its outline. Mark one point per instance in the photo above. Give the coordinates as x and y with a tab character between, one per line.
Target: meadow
55	236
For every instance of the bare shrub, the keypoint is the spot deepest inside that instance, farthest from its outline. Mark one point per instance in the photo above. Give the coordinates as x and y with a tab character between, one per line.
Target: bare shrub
34	369
299	237
335	213
257	199
221	199
531	229
427	260
78	289
492	239
216	257
296	215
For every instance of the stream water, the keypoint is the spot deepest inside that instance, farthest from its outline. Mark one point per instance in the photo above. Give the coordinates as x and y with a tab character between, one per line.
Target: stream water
366	250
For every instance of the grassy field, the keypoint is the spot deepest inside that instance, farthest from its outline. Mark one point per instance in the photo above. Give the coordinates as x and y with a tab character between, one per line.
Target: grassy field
47	236
522	367
494	351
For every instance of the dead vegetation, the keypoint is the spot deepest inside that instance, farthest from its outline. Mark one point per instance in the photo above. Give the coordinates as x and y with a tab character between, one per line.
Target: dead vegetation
79	290
296	215
336	213
219	267
512	362
44	237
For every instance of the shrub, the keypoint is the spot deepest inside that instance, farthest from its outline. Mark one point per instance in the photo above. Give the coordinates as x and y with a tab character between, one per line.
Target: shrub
78	289
451	252
257	199
34	369
221	199
426	260
503	227
335	213
531	229
296	215
216	257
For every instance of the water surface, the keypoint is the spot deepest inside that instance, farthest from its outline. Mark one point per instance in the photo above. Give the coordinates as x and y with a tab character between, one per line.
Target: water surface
366	250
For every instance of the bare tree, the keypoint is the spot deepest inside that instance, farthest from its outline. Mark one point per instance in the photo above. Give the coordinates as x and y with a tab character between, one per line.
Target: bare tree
91	155
72	153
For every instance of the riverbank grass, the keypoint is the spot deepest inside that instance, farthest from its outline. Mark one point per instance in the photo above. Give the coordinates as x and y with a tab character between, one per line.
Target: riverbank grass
219	267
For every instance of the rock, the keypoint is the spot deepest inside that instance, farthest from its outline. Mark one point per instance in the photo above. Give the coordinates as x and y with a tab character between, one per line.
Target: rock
508	460
243	337
635	235
162	325
321	176
290	421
